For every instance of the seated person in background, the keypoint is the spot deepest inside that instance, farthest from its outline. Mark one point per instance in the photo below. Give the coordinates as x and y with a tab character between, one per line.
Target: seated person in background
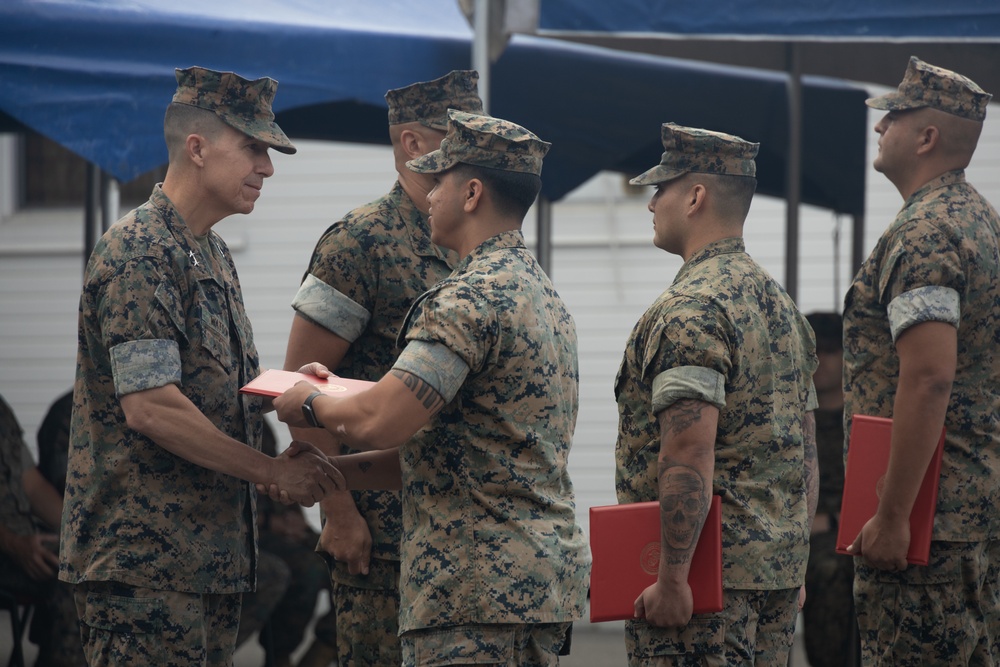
829	625
285	534
274	578
53	441
30	511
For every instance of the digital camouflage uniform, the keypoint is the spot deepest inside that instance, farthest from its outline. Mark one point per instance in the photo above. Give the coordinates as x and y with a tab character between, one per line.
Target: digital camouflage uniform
291	575
828	614
725	333
365	272
149	537
492	553
54	626
937	261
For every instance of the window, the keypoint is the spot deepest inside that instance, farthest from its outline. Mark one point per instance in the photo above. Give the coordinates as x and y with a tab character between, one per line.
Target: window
52	176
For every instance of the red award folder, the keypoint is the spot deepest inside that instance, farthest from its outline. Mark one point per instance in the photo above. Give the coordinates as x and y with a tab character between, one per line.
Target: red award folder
274	382
867	462
625	546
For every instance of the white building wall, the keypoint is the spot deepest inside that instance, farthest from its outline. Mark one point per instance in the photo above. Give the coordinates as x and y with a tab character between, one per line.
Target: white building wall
604	265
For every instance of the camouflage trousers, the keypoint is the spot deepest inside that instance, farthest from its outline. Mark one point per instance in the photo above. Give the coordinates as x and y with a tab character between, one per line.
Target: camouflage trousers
828	621
367	617
129	626
947	613
753	628
534	645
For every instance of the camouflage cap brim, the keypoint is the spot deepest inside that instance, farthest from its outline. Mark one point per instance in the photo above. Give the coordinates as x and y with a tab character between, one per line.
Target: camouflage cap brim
927	86
658	174
242	104
433	163
427	102
484	141
692	149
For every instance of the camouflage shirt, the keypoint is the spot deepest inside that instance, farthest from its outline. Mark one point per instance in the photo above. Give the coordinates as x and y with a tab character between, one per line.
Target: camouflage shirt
729	335
15	458
365	272
830	456
937	261
156	310
489	515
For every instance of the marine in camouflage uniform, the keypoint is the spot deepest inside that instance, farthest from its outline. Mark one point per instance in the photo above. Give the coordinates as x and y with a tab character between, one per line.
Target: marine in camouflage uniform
494	565
829	627
920	345
23	501
365	272
159	545
720	364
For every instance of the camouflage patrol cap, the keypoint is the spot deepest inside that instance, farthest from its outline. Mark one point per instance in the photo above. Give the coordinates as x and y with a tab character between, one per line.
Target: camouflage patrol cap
242	104
703	151
925	85
427	102
484	141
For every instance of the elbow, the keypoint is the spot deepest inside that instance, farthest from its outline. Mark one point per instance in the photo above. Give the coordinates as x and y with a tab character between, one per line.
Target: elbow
367	431
378	434
138	418
935	383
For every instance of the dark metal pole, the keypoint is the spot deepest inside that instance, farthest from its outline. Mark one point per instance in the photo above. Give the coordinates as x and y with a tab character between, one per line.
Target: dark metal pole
92	210
793	174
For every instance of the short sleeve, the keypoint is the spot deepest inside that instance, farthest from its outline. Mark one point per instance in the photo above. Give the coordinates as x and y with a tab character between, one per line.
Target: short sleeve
345	261
458	317
142	324
331	309
920	255
924	304
690	333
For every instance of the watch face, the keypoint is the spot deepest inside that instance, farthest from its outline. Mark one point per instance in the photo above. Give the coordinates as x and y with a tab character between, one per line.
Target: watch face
307	411
308	414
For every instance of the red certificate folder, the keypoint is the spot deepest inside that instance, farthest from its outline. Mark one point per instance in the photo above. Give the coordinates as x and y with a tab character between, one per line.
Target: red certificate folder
274	382
625	545
867	462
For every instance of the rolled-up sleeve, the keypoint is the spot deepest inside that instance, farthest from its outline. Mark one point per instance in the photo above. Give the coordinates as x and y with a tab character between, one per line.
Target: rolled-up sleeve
145	364
330	309
924	304
696	382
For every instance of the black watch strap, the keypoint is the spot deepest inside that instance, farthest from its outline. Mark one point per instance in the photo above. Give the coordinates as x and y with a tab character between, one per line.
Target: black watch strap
308	412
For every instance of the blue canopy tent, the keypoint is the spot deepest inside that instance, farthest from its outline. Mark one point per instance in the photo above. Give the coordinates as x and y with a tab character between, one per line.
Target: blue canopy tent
96	76
857	40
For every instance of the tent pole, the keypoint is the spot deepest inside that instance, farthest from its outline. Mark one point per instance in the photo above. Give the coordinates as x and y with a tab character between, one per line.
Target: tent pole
110	201
857	244
793	175
481	49
92	210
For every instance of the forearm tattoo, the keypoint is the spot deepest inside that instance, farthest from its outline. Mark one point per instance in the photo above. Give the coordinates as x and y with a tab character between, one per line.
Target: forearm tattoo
683	508
426	394
682	415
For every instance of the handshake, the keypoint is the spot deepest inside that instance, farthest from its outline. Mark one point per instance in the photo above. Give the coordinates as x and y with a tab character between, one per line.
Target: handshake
302	474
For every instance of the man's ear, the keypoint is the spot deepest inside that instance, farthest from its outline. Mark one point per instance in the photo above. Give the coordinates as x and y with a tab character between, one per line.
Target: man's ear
474	197
410	142
696	198
928	139
195	146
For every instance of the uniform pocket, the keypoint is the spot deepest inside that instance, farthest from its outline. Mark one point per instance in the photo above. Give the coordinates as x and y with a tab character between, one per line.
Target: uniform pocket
701	636
474	645
123	615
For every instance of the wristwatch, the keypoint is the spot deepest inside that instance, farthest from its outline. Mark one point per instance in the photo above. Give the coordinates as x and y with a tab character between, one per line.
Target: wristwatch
307	410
